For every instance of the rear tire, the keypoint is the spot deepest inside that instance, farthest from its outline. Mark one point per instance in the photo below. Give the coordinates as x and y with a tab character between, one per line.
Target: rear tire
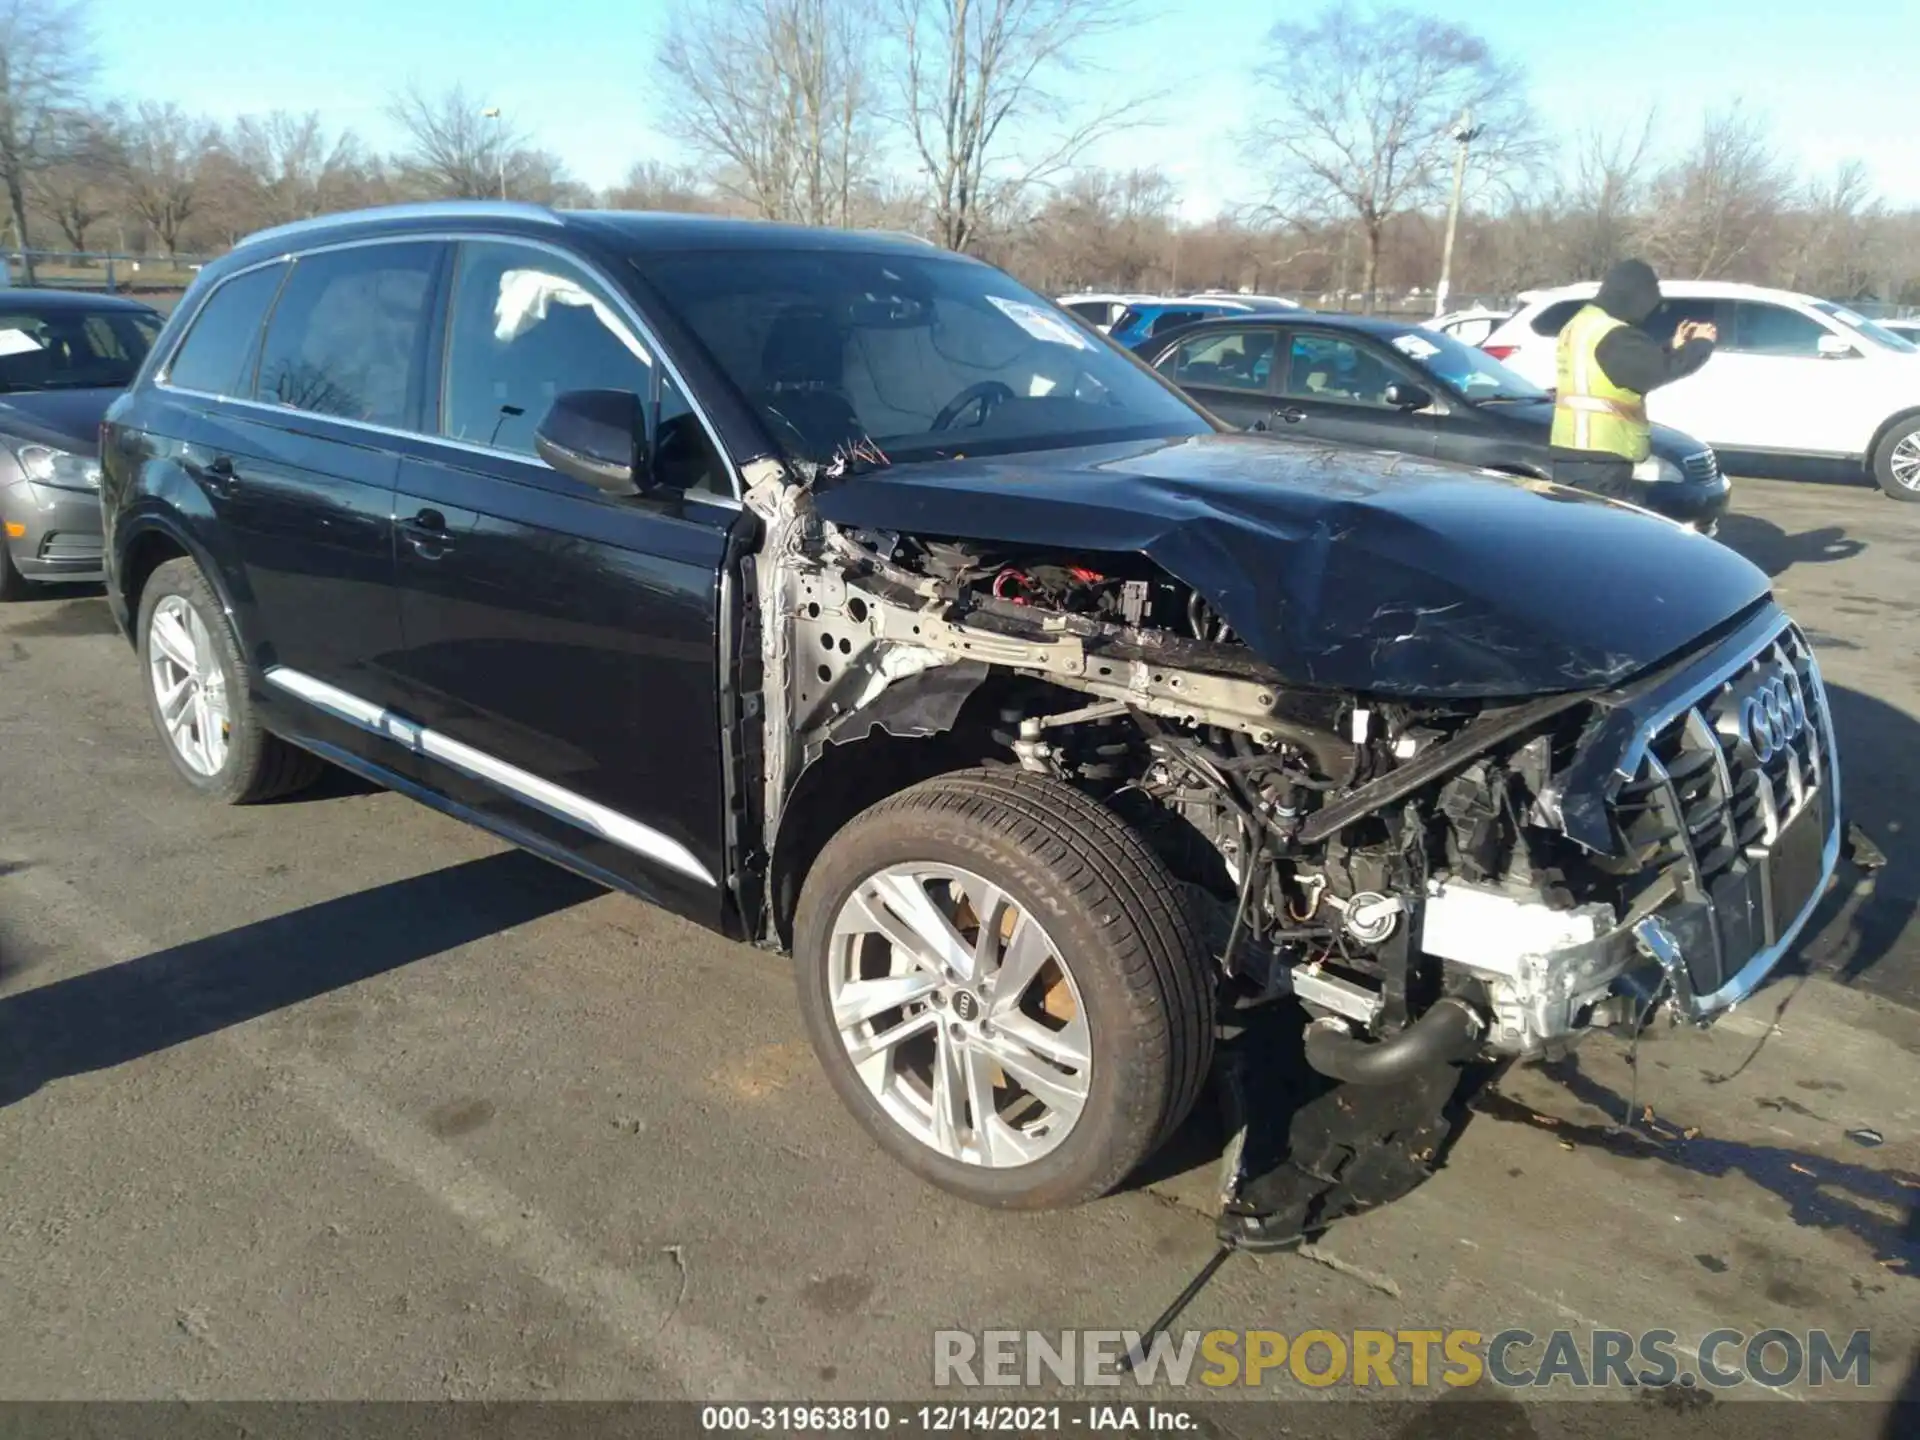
1125	979
1896	460
198	696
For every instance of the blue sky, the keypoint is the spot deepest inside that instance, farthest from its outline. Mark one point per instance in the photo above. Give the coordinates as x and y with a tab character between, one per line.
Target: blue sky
1835	77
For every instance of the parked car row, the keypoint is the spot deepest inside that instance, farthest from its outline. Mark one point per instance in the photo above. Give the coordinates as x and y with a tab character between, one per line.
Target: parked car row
1791	376
1130	319
1394	385
64	356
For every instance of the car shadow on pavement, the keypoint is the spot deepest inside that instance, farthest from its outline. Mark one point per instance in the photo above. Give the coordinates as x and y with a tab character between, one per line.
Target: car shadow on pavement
116	1013
1776	552
1867	919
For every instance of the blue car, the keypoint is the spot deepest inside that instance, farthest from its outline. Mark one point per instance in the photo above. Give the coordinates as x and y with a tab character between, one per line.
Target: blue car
1141	322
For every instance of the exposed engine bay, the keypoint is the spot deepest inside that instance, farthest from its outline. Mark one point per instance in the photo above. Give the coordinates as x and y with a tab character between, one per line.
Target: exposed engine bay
1428	879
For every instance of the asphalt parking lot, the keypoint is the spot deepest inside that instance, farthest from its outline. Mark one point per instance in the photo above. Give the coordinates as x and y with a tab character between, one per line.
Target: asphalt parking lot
338	1098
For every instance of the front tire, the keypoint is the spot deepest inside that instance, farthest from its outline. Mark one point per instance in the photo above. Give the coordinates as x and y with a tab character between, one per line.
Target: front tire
1005	987
1896	460
13	585
198	697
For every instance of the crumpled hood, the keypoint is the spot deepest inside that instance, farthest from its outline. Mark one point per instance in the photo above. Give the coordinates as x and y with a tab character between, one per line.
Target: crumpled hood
67	419
1351	569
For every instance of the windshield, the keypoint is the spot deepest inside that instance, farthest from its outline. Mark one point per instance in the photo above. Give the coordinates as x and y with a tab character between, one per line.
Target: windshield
922	357
1474	373
1860	324
72	348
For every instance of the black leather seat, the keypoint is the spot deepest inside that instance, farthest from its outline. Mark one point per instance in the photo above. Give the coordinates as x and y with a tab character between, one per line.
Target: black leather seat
802	365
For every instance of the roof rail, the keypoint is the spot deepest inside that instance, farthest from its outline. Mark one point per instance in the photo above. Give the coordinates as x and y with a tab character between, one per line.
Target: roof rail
421	209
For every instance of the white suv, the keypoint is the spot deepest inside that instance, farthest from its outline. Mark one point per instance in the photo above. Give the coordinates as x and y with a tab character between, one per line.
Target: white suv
1792	375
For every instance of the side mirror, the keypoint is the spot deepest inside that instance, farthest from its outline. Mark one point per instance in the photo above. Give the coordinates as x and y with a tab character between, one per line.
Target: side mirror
597	437
1404	395
1836	347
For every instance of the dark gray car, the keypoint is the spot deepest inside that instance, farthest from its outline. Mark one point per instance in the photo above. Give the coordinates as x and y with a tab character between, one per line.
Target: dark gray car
63	358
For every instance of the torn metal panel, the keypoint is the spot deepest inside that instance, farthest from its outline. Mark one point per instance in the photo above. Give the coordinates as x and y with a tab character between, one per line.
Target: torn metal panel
1349	569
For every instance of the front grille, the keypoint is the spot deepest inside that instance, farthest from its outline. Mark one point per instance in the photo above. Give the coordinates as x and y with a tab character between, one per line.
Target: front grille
1717	783
1702	467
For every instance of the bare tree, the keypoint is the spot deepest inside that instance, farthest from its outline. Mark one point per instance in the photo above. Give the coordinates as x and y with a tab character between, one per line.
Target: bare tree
1831	248
651	185
165	151
455	149
78	190
291	168
46	60
1611	176
772	95
977	73
1361	113
1721	201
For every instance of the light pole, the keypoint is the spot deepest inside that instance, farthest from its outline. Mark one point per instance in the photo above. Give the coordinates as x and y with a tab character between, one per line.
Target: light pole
1464	134
492	112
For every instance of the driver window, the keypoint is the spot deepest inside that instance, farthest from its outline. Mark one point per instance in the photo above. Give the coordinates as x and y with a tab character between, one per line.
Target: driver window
1323	367
527	326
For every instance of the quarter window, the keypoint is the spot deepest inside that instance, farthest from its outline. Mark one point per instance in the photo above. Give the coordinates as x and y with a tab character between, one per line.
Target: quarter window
1224	360
1774	330
349	336
217	355
528	326
1553	319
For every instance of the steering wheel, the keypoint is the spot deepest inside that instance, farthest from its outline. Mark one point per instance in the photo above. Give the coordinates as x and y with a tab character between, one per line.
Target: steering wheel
988	395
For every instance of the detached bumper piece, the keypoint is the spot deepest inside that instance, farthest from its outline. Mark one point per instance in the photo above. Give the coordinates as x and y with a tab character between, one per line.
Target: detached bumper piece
1304	1149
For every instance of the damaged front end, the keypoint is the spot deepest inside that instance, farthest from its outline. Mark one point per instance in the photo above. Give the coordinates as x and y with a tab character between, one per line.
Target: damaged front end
1431	877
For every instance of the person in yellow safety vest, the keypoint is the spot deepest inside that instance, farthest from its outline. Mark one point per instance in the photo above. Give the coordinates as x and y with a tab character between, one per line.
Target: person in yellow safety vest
1608	364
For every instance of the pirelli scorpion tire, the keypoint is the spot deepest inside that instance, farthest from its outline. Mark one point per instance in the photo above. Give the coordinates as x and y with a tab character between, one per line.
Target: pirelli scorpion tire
197	694
1005	987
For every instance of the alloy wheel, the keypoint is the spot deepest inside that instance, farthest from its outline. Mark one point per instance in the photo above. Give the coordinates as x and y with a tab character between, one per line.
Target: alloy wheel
189	686
1905	462
959	1014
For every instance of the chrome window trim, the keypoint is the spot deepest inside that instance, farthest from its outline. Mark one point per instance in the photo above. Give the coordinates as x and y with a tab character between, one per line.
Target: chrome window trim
629	834
621	303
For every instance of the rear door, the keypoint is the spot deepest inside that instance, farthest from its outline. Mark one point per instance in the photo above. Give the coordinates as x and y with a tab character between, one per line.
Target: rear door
302	479
1333	386
560	643
1228	371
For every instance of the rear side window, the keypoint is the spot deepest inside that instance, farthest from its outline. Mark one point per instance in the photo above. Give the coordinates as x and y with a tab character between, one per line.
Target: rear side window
349	336
1672	314
218	352
1553	319
1223	359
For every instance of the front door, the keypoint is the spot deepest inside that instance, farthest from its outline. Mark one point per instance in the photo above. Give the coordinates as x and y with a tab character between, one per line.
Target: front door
1334	387
561	650
1228	371
1795	398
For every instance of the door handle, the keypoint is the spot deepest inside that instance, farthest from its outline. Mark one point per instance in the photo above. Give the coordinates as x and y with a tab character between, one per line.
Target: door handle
218	476
426	531
1293	414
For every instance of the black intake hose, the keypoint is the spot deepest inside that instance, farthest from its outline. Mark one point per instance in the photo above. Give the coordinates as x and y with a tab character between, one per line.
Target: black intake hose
1447	1034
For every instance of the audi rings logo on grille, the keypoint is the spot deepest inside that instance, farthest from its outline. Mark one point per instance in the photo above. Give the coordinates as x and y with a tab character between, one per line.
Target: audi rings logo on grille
1772	714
